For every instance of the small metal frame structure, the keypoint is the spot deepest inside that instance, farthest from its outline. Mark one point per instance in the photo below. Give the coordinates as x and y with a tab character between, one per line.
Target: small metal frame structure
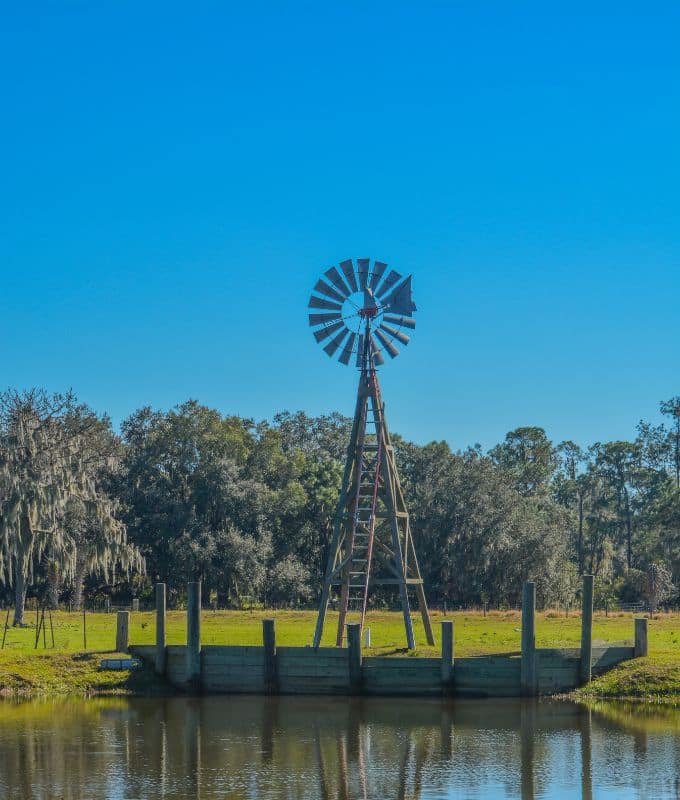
365	313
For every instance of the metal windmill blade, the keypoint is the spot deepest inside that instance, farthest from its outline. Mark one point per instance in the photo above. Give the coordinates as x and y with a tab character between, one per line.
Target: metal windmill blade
322	319
392	278
387	344
394	333
335	342
347	350
321	287
329	330
347	268
336	279
362	267
404	322
379	268
319	302
375	351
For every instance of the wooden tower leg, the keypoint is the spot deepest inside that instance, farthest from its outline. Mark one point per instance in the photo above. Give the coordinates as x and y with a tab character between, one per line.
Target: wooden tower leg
388	474
333	555
425	614
342	616
408	622
321	617
420	591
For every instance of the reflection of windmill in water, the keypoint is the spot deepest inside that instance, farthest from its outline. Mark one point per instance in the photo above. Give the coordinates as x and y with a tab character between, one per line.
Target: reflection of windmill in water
353	765
359	314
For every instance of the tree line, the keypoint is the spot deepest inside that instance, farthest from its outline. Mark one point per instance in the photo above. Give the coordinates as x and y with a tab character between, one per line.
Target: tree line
247	507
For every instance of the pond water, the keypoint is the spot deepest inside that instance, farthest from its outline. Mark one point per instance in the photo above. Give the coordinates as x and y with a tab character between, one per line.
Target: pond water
248	748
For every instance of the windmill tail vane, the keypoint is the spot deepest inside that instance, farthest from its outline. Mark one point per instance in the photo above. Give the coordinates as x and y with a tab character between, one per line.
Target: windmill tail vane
367	310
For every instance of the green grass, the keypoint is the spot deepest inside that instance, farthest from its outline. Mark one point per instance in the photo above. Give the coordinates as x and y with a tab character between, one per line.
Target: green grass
65	669
655	678
55	673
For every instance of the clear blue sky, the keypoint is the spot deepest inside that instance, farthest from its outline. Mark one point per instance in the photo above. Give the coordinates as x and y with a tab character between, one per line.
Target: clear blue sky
175	177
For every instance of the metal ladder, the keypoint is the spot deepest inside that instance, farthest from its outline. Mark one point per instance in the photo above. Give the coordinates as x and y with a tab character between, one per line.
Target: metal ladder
363	524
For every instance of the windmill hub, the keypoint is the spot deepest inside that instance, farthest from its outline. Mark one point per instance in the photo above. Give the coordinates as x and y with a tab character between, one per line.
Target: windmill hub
359	312
370	308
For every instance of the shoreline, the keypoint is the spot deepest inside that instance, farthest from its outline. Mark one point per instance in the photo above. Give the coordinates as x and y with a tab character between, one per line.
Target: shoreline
650	681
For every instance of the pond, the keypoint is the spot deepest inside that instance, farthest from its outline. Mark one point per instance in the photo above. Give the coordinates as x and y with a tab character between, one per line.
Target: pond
248	748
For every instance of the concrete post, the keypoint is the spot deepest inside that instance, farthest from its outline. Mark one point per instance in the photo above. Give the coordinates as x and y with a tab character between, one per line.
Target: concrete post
354	654
586	630
122	631
160	629
193	669
135	603
447	654
528	677
269	639
641	647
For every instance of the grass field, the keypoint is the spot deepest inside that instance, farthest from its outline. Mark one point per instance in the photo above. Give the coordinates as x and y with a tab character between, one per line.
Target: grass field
71	667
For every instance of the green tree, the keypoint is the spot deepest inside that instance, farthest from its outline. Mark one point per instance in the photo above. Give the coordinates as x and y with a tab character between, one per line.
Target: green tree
657	585
98	549
475	534
184	479
572	487
528	458
288	582
671	408
51	450
618	465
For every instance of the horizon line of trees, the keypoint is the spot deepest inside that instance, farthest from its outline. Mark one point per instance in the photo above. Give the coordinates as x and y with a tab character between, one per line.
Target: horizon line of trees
247	507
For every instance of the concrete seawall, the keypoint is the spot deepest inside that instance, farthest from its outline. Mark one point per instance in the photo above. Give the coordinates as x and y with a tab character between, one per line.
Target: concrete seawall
303	670
269	669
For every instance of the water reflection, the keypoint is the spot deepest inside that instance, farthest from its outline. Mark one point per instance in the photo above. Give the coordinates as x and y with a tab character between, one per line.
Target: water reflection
245	748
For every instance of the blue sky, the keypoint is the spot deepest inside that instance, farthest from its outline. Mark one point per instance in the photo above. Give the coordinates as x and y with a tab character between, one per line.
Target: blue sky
175	177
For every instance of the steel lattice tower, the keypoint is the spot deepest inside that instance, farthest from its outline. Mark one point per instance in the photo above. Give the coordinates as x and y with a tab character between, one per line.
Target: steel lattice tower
372	543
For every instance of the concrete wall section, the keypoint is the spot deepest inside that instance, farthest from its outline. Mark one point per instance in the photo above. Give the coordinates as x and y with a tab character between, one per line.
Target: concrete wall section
232	670
558	670
487	676
407	676
176	664
306	670
605	658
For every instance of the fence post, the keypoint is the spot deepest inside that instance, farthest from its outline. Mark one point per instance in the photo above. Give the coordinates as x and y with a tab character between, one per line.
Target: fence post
135	603
160	629
269	639
122	631
354	654
641	637
193	667
447	655
528	683
585	664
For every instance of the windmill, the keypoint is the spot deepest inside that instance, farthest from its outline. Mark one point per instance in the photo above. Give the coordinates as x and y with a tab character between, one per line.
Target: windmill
359	313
